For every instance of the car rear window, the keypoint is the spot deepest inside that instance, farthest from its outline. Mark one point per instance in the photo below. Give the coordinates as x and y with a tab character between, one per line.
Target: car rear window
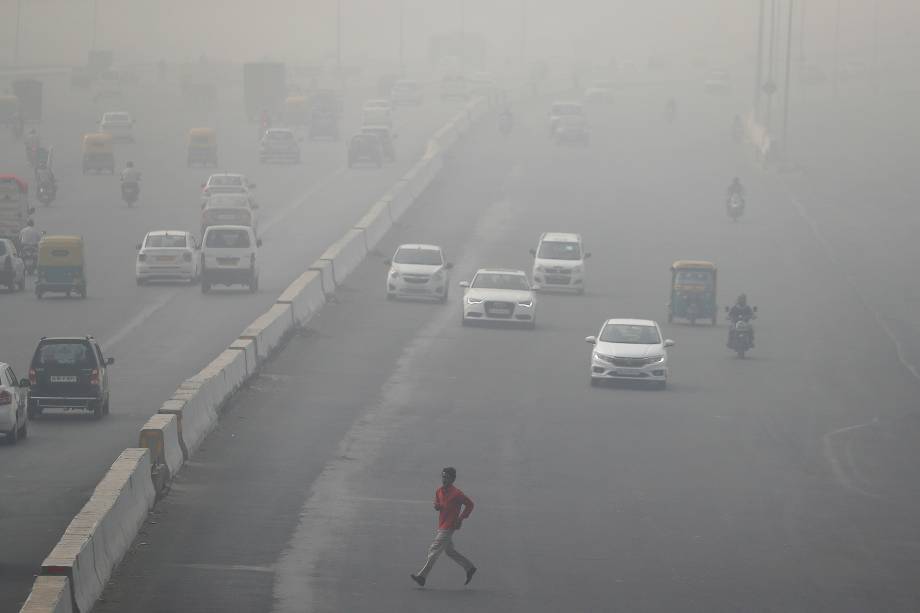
425	257
227	239
235	216
65	353
225	180
166	241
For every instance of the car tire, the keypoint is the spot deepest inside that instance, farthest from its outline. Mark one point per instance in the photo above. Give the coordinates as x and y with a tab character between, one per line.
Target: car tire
105	407
24	431
12	437
34	411
98	410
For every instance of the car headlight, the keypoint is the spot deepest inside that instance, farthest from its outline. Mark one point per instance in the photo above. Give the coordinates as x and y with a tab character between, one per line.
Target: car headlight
438	275
601	357
655	359
526	303
394	274
576	270
471	300
539	269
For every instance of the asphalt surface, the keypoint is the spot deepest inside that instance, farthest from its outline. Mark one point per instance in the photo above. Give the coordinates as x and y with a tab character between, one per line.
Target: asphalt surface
159	334
765	484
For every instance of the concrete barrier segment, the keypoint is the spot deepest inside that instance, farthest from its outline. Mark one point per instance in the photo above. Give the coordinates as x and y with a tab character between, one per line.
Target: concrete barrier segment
247	347
324	268
270	329
49	595
346	254
160	435
375	224
305	295
198	415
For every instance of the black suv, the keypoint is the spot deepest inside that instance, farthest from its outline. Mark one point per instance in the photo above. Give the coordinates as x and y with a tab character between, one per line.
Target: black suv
69	373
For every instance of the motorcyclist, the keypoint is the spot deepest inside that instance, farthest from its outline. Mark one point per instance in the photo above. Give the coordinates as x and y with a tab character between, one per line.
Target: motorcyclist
45	176
736	189
130	177
29	236
32	142
740	311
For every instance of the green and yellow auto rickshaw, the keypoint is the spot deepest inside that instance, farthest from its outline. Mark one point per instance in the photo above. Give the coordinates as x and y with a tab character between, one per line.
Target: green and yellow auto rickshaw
202	146
61	267
98	154
693	291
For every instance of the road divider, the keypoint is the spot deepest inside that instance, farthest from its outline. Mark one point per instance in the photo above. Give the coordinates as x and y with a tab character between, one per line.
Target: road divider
345	255
49	595
160	436
375	224
99	536
269	330
305	295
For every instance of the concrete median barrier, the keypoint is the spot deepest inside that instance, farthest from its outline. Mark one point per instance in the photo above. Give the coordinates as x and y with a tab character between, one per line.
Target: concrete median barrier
49	595
269	330
305	295
160	435
375	224
194	407
235	370
399	198
247	348
346	254
99	536
324	268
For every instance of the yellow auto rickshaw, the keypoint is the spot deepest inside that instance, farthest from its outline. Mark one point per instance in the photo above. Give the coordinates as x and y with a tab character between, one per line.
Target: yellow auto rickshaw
98	154
9	109
202	146
297	111
693	291
61	267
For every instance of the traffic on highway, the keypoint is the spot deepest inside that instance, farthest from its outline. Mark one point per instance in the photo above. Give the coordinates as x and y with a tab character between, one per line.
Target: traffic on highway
571	322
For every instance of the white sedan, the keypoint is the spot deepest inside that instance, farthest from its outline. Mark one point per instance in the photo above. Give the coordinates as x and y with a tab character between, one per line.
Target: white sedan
226	183
167	255
500	295
119	124
418	271
630	350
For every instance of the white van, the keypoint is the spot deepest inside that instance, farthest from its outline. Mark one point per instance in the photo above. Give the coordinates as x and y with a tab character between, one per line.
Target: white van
230	256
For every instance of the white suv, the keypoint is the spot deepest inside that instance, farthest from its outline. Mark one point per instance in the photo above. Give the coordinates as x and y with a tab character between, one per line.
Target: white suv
14	404
418	271
559	262
230	255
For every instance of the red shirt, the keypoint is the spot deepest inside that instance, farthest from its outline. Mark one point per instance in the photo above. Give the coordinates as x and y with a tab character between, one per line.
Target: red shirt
448	500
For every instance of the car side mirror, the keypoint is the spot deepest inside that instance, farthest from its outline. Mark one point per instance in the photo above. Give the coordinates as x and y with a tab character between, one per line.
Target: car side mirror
591	340
668	343
533	252
387	262
258	242
24	383
138	247
449	266
536	287
587	255
464	284
109	361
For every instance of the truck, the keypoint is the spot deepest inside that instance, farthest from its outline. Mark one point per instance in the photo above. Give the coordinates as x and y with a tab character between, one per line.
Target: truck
264	88
14	206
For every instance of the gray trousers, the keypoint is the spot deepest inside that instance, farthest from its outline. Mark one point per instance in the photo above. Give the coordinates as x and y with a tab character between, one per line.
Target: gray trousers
444	543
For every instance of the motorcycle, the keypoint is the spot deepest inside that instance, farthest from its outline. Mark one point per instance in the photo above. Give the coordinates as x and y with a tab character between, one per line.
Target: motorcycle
46	193
32	155
130	192
735	207
30	258
741	336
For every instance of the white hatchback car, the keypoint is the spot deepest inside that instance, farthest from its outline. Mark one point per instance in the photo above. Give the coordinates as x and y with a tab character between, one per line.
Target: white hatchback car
418	271
119	124
226	183
14	405
630	350
230	256
501	295
559	262
167	255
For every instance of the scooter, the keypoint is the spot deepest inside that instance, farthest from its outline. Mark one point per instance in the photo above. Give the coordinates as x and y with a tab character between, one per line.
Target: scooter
735	207
741	339
46	193
130	192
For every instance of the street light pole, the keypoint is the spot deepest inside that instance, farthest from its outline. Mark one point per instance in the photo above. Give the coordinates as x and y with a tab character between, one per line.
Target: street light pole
786	86
402	39
771	63
837	49
758	71
95	19
338	37
18	26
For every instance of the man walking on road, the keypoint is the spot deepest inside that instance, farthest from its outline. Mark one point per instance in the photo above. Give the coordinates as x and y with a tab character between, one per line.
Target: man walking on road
447	501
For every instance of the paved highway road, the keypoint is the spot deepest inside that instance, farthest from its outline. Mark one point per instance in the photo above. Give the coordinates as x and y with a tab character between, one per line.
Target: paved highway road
159	334
776	483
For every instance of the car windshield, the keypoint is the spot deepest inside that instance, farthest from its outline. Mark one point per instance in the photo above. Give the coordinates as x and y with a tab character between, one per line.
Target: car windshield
228	239
225	180
500	280
630	334
557	250
166	241
65	354
426	257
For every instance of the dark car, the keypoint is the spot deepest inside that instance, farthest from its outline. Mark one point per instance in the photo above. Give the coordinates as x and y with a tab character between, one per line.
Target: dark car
69	373
386	137
365	148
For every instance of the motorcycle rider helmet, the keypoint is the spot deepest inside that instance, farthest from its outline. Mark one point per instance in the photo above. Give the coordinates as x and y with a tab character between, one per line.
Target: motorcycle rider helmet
130	164
742	300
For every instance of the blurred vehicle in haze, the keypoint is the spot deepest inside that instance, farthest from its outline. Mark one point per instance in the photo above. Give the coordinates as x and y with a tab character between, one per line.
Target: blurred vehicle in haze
61	266
14	206
202	147
167	255
559	262
718	82
14	405
98	154
365	148
119	125
296	111
418	271
226	183
324	123
629	350
12	267
561	109
693	291
454	87
230	209
69	373
386	136
264	88
279	144
230	256
600	91
377	112
499	295
571	130
406	92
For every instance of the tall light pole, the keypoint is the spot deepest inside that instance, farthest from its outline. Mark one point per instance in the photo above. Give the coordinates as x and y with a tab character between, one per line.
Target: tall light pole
758	71
402	38
18	26
338	37
802	36
786	86
95	20
771	84
837	49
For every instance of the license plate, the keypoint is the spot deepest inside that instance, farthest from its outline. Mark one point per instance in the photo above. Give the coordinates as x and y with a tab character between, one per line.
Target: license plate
415	290
166	258
627	373
228	261
63	379
499	311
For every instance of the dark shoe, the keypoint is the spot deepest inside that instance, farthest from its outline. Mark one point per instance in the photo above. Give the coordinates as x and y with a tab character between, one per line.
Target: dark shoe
421	580
469	575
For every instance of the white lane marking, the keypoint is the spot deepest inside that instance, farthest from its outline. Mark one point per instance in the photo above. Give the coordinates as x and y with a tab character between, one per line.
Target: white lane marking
331	506
842	465
228	567
161	301
302	199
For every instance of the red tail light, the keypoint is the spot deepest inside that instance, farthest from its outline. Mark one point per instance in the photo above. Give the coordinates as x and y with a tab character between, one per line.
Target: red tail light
5	398
33	376
94	377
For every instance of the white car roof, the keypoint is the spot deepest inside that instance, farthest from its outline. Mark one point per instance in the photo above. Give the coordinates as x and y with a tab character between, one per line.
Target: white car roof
226	175
116	115
418	246
246	228
504	271
168	233
632	322
228	199
561	237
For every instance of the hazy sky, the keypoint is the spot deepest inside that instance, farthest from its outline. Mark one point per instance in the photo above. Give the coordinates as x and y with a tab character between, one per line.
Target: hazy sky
60	31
